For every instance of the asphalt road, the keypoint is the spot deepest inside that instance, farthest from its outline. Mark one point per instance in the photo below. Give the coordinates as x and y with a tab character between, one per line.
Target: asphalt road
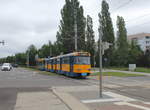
22	80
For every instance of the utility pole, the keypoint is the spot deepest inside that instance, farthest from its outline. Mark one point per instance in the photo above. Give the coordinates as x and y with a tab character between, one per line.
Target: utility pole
50	49
28	59
75	27
100	63
2	42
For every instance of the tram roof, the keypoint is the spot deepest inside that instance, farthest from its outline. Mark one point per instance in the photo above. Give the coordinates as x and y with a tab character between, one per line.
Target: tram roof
76	54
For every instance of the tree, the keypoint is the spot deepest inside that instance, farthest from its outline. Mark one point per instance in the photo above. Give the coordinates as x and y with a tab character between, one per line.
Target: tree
134	53
31	53
107	31
122	43
71	12
59	43
44	52
90	44
144	60
20	58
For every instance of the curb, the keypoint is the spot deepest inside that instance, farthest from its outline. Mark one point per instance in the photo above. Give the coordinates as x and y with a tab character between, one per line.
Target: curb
69	100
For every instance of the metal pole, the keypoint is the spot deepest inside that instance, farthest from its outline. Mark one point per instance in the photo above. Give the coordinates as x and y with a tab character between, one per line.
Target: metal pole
28	59
75	27
100	65
50	49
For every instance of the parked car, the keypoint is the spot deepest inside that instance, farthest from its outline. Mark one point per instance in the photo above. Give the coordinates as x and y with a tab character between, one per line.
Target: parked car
6	67
15	65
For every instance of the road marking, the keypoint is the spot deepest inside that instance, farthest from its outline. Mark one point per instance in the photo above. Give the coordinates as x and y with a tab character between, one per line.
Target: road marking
132	105
114	97
121	97
147	103
100	100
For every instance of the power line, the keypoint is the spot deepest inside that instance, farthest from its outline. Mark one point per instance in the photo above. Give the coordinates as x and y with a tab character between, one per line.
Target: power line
139	24
121	6
137	18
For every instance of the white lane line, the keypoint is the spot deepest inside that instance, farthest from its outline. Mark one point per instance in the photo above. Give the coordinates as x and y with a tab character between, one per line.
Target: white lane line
100	100
133	105
121	97
114	97
147	103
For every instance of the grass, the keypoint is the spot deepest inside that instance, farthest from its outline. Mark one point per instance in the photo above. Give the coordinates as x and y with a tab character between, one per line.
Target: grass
144	70
117	74
41	72
138	69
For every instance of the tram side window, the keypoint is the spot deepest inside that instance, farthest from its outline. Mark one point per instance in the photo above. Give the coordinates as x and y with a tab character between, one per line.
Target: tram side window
65	60
82	60
50	62
58	61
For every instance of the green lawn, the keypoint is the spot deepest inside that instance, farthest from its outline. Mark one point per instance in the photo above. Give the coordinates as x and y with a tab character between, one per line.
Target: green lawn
138	69
145	70
117	74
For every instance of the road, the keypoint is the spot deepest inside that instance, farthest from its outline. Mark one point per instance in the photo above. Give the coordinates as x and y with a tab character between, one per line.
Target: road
23	81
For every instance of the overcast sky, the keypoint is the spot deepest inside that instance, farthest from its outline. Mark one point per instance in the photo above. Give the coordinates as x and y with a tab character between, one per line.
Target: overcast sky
25	22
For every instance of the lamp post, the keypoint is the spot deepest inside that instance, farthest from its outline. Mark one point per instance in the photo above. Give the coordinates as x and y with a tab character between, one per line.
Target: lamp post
100	63
75	27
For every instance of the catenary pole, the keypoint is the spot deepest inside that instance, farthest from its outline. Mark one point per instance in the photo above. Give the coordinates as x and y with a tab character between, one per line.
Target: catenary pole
75	27
100	63
50	49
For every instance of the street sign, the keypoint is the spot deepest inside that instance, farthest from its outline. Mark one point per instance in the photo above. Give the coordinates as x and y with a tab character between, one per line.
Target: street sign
2	42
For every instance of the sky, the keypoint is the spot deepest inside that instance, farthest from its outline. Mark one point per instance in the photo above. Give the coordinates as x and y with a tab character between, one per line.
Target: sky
26	22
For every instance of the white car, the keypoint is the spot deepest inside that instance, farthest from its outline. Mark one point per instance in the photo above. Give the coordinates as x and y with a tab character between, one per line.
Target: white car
6	67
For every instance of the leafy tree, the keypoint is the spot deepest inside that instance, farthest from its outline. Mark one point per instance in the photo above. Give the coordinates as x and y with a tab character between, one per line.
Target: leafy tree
90	43
122	43
31	52
144	60
59	43
20	58
10	59
44	52
107	31
134	53
70	11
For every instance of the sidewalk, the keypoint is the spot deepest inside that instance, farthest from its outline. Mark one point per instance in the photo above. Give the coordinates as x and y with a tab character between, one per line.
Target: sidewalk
87	98
39	101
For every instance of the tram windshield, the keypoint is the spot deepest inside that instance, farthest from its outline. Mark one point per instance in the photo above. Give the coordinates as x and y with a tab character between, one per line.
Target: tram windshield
82	60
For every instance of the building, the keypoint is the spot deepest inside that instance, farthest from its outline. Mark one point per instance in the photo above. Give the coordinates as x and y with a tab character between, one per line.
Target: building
142	39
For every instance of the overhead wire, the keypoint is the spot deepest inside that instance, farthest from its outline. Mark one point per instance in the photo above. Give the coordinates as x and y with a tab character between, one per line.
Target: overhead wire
121	6
137	18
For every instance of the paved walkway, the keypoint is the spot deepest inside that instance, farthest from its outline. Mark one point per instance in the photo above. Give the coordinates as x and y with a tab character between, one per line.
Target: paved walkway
39	101
87	98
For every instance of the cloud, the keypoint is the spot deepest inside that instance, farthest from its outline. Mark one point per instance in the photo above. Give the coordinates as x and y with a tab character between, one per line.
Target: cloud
25	22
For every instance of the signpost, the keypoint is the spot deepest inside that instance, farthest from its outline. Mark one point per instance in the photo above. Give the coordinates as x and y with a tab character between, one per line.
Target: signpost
2	42
102	47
